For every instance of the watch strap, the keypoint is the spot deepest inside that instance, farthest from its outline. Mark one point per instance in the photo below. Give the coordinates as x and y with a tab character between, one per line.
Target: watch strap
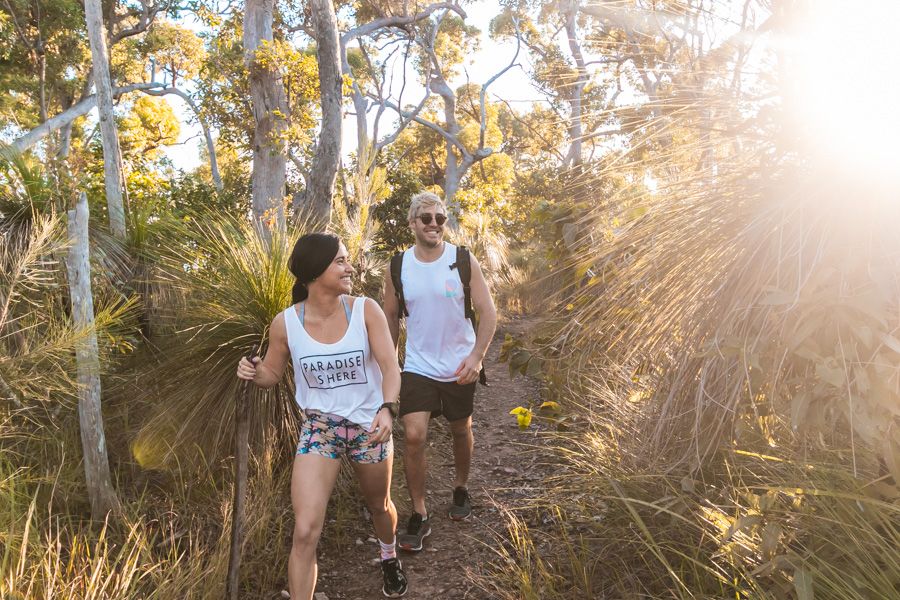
393	407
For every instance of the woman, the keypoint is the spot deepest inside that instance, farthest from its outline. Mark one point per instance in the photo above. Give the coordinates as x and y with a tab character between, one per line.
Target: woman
347	382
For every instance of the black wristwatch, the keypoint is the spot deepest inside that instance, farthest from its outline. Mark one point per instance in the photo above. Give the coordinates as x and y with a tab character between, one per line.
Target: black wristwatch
393	407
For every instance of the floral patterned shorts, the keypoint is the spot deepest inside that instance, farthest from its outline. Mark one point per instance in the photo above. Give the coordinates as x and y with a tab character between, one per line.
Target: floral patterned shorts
331	435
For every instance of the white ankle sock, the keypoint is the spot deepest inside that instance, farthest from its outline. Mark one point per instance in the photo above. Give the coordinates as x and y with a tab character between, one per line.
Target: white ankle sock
388	550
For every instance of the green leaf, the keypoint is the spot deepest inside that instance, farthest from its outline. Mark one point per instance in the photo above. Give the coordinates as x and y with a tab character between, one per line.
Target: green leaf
807	328
803	584
871	305
745	522
865	335
770	536
861	380
509	342
777	297
834	375
799	406
891	342
534	367
518	360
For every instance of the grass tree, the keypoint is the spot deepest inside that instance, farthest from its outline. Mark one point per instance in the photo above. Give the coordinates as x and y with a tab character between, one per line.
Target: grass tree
729	339
230	282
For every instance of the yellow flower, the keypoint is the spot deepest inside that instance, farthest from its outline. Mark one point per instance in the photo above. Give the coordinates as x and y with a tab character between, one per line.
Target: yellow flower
523	416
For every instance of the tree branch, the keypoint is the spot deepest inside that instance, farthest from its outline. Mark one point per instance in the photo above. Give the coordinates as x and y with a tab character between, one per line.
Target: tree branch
26	141
405	120
210	146
433	126
400	20
484	87
145	19
547	144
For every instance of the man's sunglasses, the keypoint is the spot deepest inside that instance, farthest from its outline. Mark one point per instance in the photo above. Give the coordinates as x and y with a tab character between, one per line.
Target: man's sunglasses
438	218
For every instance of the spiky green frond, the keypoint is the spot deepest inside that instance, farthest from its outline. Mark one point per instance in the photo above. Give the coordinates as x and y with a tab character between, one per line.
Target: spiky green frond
37	336
230	284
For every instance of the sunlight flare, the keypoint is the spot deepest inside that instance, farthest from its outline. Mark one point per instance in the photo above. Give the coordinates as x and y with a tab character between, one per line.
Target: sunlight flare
843	61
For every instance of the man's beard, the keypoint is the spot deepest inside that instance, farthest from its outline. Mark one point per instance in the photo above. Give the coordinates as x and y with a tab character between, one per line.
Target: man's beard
428	242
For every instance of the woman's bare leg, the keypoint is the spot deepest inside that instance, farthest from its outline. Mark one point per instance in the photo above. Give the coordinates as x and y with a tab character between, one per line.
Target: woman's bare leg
312	481
375	484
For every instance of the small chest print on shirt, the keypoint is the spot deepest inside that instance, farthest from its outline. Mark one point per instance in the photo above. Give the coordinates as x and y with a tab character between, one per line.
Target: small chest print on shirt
329	371
451	288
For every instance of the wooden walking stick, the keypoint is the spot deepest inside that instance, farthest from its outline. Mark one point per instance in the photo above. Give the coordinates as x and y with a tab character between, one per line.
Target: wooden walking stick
241	453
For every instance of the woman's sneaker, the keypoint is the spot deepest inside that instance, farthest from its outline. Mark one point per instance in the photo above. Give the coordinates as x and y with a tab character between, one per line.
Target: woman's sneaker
395	583
417	530
462	505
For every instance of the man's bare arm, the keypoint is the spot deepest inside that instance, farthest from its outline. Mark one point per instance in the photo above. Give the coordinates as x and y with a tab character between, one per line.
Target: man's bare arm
484	307
391	308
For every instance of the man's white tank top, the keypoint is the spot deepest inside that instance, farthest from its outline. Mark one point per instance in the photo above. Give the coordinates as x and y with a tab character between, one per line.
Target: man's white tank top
438	335
342	378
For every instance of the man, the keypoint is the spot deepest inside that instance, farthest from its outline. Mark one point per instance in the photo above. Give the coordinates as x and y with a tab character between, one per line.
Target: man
444	354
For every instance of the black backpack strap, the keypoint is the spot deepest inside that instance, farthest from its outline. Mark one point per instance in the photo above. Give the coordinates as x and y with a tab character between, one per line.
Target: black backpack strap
463	266
396	270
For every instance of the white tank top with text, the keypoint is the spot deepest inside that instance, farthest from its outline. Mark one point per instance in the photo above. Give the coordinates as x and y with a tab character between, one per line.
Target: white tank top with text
342	378
438	335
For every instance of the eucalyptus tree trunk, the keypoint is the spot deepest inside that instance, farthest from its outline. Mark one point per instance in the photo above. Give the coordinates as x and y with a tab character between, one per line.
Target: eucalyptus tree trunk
576	93
270	112
93	440
320	187
112	172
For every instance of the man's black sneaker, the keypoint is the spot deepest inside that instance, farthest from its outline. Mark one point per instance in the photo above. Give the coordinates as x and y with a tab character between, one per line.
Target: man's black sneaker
395	583
417	530
462	505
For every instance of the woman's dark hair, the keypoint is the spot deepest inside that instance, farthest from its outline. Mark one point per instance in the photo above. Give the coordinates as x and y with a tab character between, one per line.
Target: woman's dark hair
311	256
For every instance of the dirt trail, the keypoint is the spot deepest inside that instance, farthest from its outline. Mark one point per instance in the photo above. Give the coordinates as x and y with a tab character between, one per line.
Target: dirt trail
499	472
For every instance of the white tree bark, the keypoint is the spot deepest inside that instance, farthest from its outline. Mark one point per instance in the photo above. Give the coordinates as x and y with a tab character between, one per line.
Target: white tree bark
575	155
112	173
320	186
93	440
270	111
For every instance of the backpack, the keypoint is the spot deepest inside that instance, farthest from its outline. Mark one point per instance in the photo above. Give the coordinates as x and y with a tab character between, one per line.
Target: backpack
463	265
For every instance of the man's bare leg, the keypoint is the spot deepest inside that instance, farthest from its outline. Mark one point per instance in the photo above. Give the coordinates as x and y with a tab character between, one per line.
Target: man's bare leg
463	446
415	427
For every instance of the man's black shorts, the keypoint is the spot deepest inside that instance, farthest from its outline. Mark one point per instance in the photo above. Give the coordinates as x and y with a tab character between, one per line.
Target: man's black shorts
422	394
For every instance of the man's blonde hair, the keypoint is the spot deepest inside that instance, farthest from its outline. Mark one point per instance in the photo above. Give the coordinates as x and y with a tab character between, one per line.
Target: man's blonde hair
423	200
